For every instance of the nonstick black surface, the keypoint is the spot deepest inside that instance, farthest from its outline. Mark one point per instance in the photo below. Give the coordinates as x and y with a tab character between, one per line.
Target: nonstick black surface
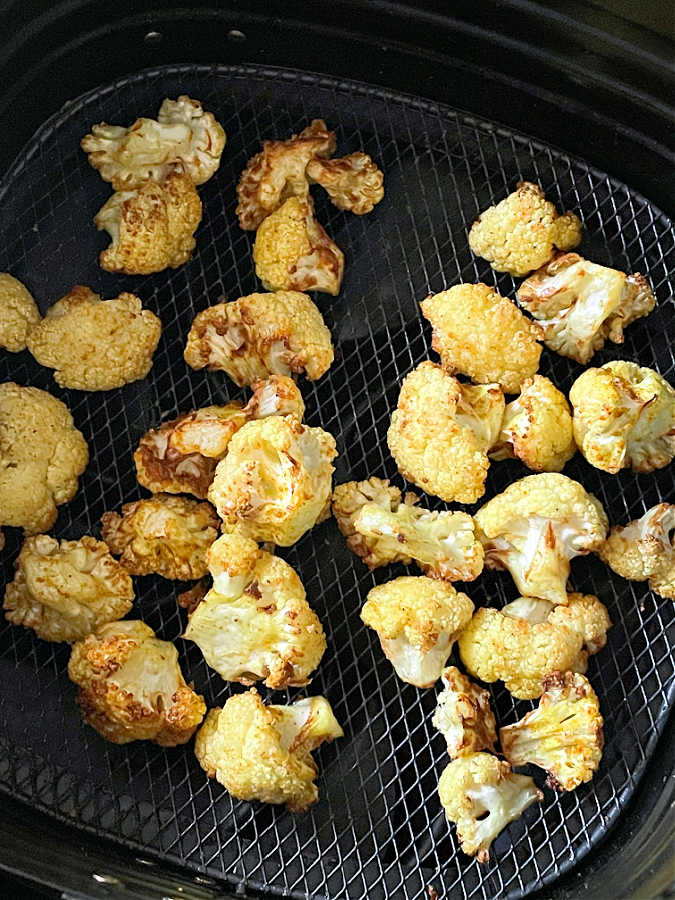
378	829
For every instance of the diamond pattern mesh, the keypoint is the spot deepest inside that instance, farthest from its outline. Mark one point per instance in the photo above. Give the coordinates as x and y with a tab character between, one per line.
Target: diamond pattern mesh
378	829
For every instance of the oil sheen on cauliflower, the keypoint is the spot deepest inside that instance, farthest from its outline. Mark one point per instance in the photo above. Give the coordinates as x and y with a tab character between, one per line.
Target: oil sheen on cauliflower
65	591
417	621
481	795
130	686
255	623
563	735
260	335
41	456
18	313
528	639
580	304
275	482
521	232
441	430
94	344
624	416
292	252
483	335
264	753
645	549
537	428
535	527
463	715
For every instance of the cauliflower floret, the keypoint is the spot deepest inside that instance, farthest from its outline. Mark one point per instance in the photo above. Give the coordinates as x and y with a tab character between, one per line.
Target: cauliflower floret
417	621
255	622
18	313
521	232
624	416
161	468
64	592
537	428
580	304
441	430
483	335
94	344
463	715
535	527
292	252
645	549
261	335
471	787
41	456
183	138
563	735
131	687
353	182
151	227
529	638
275	482
347	500
260	752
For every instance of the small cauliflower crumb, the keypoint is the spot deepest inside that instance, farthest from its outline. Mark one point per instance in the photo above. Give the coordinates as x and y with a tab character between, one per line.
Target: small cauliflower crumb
645	549
18	313
463	715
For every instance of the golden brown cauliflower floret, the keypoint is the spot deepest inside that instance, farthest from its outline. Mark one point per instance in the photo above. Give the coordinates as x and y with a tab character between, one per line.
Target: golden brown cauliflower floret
529	638
260	335
537	428
151	227
481	334
275	482
255	622
463	715
417	621
292	252
624	416
18	313
264	753
65	591
563	735
535	527
522	232
441	430
580	304
353	182
645	549
94	344
41	456
130	686
163	534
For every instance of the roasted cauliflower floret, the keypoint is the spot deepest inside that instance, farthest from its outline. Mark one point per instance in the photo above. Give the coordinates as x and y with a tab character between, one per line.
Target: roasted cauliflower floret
292	252
260	752
537	428
255	623
347	500
417	621
162	468
163	534
151	227
353	182
580	304
260	335
563	735
183	138
535	527
483	335
130	686
529	638
521	232
275	482
41	456
94	344
463	715
624	416
481	795
645	549
65	591
441	430
18	313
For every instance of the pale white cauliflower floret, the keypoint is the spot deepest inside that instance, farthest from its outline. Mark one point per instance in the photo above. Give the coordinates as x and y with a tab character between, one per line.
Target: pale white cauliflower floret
463	715
645	549
18	313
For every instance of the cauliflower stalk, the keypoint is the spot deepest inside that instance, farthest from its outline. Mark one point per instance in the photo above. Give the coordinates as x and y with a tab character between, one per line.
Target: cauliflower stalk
18	313
463	715
645	549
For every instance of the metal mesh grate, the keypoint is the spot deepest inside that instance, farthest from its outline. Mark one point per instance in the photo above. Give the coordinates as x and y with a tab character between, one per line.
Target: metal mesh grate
378	829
